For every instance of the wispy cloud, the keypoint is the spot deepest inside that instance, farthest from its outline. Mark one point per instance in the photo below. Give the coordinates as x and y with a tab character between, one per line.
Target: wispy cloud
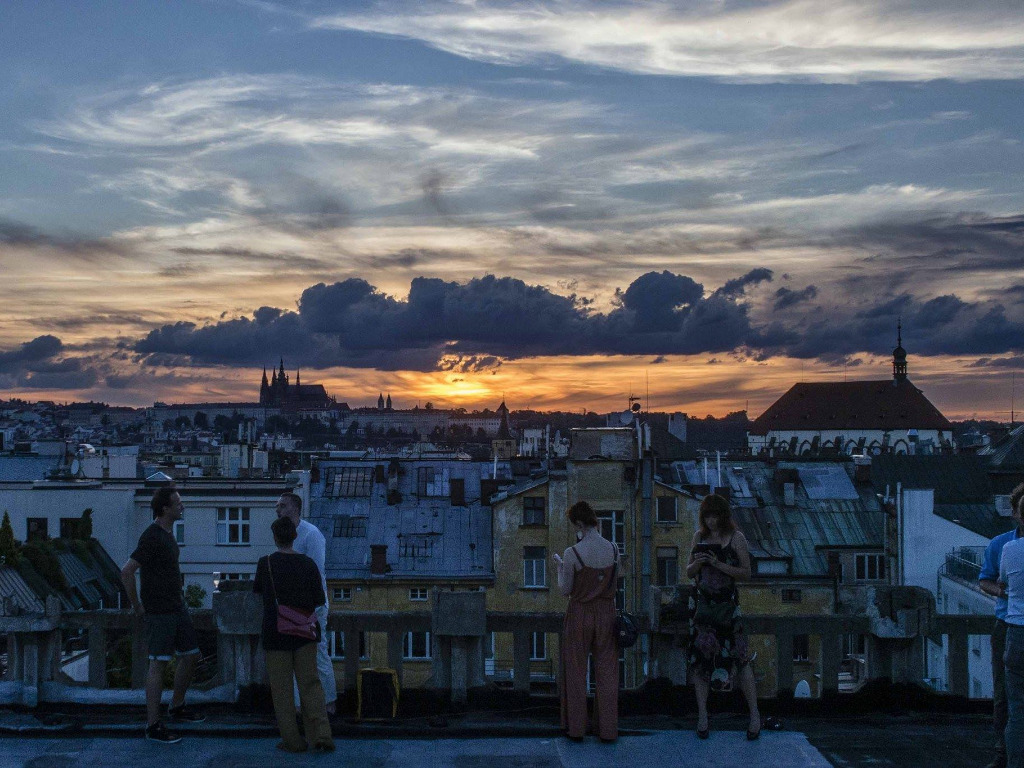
838	41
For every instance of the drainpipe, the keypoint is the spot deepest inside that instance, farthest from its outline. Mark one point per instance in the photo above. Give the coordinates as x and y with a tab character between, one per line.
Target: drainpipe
646	492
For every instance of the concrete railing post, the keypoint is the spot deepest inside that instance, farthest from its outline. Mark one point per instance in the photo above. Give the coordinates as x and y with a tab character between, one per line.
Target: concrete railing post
460	618
238	616
97	654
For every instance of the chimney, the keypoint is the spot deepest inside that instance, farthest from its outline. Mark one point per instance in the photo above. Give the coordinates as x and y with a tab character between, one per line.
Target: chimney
378	559
862	469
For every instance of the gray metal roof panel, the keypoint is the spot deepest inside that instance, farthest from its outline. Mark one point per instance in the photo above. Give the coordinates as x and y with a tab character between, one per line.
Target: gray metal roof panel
14	588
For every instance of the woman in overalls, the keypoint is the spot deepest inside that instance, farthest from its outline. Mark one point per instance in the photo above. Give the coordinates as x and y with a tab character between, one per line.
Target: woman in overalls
587	575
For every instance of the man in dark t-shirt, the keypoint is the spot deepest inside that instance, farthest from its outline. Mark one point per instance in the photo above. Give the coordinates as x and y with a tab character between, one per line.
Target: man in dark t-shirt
168	625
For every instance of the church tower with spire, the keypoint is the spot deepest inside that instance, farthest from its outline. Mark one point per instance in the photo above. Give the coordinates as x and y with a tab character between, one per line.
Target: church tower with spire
899	356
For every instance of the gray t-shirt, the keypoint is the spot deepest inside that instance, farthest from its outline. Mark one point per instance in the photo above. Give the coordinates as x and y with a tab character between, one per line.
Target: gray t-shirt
1011	573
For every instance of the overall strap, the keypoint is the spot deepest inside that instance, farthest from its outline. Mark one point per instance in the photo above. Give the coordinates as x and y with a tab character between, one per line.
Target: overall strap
578	557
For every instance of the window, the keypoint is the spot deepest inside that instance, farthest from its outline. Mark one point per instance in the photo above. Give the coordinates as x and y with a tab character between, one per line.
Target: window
870	567
233	526
668	566
179	532
534	567
458	491
539	647
533	510
430	482
348	527
667	509
418	594
613	528
417	646
336	645
792	596
36	529
801	647
341	594
348	482
219	576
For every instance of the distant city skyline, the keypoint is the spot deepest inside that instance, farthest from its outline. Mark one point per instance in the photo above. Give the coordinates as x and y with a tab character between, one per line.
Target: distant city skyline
563	202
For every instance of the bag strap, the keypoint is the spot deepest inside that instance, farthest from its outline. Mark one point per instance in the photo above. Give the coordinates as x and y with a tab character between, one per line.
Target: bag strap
273	587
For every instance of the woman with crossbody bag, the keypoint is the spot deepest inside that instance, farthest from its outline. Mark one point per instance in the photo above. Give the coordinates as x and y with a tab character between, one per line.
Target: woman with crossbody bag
291	588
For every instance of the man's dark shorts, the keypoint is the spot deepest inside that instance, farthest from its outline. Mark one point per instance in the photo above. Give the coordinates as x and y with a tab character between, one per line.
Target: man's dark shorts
171	634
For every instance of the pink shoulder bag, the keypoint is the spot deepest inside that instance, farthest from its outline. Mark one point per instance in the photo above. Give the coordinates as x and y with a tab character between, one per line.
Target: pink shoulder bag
292	621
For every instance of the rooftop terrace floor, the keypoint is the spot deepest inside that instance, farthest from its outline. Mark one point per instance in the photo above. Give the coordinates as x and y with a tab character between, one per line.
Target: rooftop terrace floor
477	740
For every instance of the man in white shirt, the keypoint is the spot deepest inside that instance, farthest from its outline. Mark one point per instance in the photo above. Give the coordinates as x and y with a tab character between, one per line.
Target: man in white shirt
1011	579
311	542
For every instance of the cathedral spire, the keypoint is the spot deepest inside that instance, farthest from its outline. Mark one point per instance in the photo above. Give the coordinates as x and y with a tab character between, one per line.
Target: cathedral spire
297	374
899	355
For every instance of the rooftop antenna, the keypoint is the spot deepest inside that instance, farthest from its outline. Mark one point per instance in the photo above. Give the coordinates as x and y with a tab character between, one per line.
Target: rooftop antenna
1013	393
647	384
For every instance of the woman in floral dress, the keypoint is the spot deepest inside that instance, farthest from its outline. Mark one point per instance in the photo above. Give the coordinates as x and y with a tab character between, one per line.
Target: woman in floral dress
719	653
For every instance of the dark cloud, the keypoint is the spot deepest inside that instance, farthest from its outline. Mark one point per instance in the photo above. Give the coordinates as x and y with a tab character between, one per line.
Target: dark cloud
445	325
352	323
14	233
739	285
784	297
41	364
38	350
1014	363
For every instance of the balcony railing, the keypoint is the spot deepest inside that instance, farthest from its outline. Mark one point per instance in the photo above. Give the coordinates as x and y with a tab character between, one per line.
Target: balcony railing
895	647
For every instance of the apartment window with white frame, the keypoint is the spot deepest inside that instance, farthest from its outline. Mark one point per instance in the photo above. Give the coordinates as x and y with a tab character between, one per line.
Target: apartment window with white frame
220	576
336	645
341	594
667	512
535	567
417	646
539	647
870	567
613	528
533	510
418	594
233	526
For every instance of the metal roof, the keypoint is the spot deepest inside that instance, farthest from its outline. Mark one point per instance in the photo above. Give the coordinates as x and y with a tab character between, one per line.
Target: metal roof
805	531
955	479
26	468
426	536
1007	453
16	596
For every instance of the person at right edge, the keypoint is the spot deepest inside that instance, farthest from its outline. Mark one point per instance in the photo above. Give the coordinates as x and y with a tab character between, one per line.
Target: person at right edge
286	577
586	574
988	580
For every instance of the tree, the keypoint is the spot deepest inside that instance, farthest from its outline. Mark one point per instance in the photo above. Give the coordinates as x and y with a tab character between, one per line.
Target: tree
8	544
194	596
85	525
429	406
201	420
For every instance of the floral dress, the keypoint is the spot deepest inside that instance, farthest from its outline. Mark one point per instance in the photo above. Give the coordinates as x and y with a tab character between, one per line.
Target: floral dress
718	644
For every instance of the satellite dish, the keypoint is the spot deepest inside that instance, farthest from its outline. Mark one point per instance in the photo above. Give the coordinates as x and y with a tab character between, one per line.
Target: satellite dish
75	466
626	417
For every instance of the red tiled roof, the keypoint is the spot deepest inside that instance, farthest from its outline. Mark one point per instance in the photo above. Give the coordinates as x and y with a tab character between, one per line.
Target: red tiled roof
844	405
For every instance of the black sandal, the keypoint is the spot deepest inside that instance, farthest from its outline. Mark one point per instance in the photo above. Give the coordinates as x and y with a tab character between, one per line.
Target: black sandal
703	734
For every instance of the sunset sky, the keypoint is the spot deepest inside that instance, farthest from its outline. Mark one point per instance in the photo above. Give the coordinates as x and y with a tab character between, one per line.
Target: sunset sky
555	202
